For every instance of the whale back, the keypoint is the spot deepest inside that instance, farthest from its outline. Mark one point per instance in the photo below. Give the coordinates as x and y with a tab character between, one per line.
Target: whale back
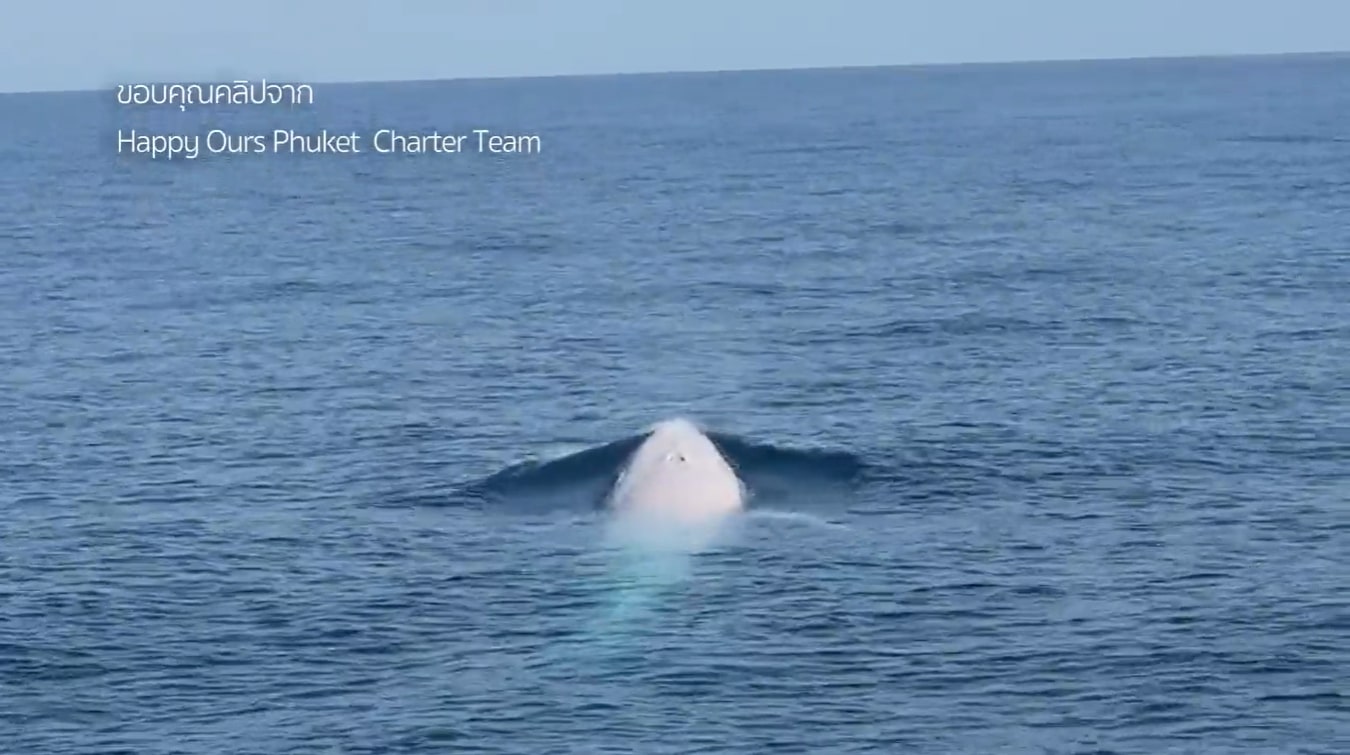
677	473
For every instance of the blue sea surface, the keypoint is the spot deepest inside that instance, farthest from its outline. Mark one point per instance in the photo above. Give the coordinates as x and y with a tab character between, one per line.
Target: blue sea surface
1052	362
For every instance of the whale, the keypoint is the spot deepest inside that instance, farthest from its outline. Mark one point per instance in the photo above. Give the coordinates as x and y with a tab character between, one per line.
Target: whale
676	478
676	471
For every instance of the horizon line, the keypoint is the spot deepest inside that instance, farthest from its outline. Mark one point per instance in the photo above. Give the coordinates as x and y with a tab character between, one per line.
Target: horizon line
768	69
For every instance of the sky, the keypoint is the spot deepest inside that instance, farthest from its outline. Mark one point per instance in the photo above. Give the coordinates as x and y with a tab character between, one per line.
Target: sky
90	44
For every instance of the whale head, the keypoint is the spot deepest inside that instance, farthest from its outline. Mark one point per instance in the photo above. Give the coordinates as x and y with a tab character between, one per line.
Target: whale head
676	478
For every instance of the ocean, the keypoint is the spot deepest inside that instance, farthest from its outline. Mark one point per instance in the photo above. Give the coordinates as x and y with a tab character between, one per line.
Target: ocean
1046	366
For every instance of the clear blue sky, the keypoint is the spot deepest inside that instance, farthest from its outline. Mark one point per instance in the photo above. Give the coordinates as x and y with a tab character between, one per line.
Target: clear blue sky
84	44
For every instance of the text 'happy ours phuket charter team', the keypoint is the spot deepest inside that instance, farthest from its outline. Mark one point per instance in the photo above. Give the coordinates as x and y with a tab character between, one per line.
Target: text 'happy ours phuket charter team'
286	141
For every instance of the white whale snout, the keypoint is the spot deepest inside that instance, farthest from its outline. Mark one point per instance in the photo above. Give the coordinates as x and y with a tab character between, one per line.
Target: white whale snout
676	482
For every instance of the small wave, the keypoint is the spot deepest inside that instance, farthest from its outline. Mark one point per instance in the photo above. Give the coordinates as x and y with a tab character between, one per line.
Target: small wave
1289	139
579	479
796	517
818	463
